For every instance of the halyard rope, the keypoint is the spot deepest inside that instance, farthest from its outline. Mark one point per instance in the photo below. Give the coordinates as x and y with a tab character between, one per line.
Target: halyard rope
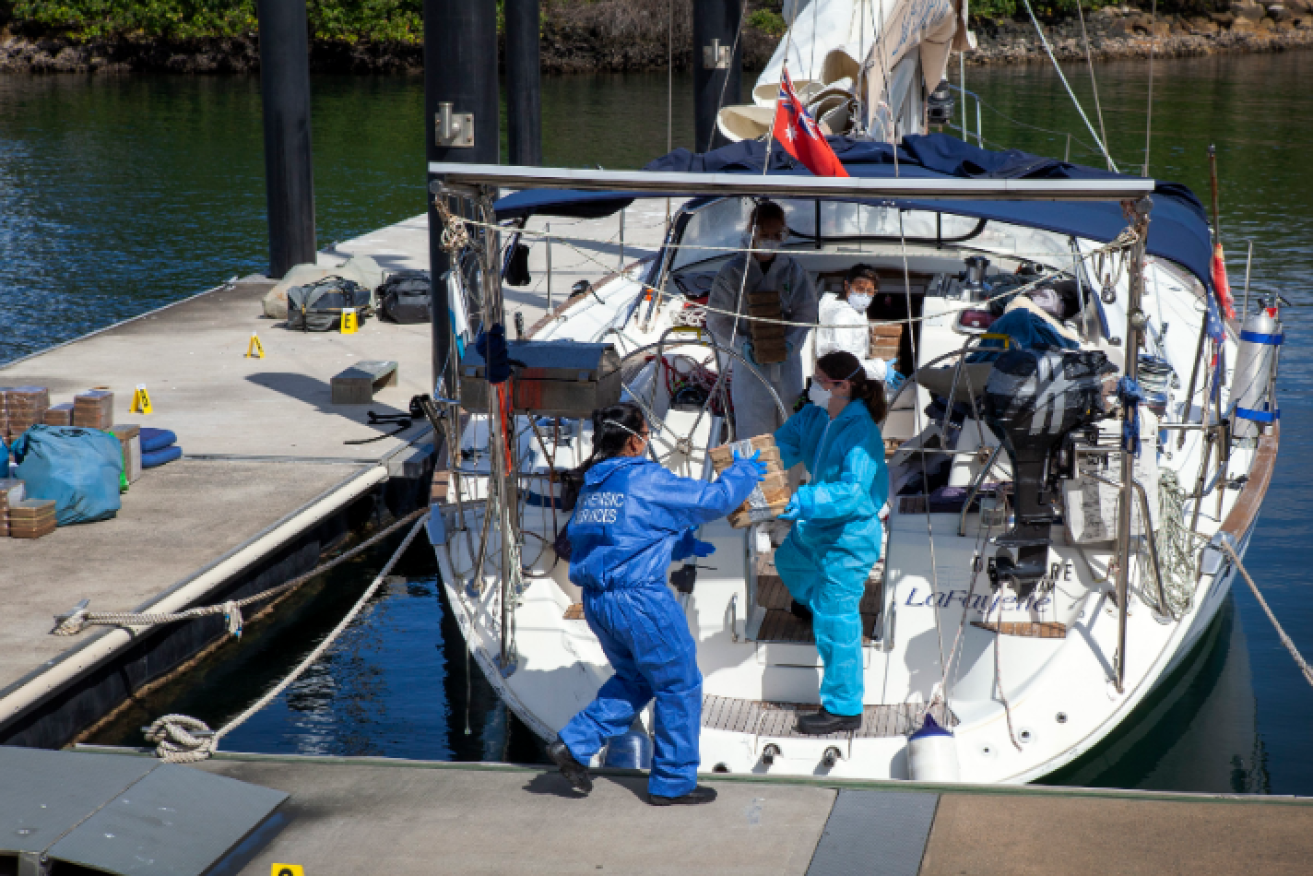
78	621
183	739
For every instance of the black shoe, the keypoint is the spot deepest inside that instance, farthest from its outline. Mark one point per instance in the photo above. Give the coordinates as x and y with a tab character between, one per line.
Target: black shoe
822	722
800	611
575	773
700	794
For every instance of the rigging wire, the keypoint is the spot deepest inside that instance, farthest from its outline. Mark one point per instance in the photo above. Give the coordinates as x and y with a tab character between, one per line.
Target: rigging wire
1089	62
1148	122
1065	84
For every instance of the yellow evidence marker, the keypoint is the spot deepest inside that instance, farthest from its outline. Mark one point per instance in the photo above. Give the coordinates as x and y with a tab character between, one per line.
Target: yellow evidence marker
287	870
349	322
141	401
255	349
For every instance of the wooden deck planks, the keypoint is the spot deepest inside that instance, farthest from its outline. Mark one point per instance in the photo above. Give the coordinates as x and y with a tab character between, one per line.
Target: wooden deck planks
1025	629
776	719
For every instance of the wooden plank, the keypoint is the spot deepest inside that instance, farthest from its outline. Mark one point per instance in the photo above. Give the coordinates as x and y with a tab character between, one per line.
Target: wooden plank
1245	511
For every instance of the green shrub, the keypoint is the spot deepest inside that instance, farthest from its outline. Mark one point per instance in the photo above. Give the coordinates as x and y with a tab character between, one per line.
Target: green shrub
768	22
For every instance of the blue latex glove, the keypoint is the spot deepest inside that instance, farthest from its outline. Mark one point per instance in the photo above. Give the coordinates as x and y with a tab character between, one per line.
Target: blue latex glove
891	365
758	467
746	350
792	511
703	548
893	380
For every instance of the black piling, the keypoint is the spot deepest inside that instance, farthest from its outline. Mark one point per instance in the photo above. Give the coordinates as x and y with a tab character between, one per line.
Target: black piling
460	87
523	83
717	66
288	168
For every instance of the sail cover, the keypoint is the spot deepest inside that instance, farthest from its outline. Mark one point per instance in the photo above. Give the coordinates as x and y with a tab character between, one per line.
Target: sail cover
1178	229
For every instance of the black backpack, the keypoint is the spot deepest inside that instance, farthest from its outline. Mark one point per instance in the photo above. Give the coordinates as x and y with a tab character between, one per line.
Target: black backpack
404	297
318	307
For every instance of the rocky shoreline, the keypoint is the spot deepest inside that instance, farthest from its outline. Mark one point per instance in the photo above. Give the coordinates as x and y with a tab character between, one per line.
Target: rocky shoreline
577	44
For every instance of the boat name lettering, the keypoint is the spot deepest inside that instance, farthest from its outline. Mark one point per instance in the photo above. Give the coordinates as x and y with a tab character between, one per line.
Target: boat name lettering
979	601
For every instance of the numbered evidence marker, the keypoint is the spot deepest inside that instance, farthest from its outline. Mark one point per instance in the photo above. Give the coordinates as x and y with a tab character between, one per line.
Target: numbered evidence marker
255	349
141	401
287	870
349	322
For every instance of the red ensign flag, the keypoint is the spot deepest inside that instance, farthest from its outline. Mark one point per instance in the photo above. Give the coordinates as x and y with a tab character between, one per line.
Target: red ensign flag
800	136
1220	283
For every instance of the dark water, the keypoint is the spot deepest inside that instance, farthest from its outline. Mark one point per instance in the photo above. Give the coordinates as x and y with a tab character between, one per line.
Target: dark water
122	194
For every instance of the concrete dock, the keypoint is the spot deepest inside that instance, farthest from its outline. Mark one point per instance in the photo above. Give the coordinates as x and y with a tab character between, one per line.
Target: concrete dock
266	484
371	815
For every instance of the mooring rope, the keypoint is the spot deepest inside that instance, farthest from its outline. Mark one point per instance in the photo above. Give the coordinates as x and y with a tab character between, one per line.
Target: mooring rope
1281	633
183	739
80	620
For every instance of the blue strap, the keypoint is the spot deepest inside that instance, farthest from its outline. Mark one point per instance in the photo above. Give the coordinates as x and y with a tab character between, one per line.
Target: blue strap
1258	338
1258	416
1131	395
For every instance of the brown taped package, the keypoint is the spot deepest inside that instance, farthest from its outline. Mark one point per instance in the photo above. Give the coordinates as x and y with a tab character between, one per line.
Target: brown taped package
59	415
771	495
25	406
93	409
32	518
886	339
768	346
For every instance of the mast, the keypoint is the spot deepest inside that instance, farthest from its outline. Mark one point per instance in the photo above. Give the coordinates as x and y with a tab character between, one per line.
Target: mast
1136	319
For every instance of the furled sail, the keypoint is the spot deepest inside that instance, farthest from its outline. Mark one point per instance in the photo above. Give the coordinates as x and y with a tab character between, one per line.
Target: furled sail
864	67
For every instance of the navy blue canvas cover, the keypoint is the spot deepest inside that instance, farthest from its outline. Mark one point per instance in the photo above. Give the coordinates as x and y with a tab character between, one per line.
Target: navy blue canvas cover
1178	227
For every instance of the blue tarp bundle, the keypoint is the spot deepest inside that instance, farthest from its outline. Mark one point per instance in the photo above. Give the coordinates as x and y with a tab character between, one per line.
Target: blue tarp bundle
1178	229
81	469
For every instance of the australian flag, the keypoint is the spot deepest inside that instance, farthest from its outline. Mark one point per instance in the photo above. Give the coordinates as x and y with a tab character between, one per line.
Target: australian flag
800	136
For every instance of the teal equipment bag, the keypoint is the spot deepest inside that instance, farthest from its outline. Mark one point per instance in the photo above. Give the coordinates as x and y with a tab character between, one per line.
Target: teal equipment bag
79	468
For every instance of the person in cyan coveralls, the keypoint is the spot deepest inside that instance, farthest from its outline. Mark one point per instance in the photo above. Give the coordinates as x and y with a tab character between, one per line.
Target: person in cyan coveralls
632	519
837	536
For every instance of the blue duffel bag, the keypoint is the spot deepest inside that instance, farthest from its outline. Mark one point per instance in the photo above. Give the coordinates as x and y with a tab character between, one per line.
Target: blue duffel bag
81	469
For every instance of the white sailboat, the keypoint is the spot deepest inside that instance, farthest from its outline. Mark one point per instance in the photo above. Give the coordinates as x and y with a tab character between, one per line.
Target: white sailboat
1029	596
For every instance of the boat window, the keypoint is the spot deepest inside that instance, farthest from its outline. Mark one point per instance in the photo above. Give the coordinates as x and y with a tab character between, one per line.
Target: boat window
872	220
718	224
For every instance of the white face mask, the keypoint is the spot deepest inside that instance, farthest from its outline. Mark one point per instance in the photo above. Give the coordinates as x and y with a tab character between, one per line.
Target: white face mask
768	244
818	395
860	302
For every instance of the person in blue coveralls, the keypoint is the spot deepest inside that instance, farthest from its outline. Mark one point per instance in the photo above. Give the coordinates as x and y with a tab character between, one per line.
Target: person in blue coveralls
837	536
632	519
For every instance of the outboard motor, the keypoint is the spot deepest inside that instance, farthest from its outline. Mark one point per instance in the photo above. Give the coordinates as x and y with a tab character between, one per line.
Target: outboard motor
1034	400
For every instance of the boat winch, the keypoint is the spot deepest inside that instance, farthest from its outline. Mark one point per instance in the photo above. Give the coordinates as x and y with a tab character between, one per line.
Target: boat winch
1034	401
